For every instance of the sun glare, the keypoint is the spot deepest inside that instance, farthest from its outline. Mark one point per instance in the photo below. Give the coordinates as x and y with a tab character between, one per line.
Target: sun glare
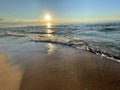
47	17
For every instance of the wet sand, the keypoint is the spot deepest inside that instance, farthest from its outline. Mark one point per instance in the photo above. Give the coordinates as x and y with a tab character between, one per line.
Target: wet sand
65	69
10	77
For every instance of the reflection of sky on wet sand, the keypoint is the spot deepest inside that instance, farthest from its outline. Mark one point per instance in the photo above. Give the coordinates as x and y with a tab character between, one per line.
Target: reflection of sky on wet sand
51	48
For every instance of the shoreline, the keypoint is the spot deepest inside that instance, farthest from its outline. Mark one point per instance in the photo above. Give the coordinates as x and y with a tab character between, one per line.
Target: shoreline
64	69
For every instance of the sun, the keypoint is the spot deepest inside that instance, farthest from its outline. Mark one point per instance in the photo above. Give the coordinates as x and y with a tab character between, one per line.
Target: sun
47	17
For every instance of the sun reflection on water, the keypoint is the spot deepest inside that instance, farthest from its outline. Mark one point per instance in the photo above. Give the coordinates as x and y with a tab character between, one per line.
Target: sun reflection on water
48	25
48	28
50	47
49	31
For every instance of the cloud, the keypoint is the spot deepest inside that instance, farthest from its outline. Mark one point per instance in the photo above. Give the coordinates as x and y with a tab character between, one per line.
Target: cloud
19	20
3	20
16	21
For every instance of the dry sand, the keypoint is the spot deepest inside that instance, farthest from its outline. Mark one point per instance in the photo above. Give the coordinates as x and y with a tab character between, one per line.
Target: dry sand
65	69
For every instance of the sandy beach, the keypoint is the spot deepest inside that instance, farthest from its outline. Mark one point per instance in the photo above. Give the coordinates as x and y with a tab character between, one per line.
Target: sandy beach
29	67
59	44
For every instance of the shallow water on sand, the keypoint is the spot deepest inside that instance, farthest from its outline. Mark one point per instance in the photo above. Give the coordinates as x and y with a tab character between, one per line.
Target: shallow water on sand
100	38
42	58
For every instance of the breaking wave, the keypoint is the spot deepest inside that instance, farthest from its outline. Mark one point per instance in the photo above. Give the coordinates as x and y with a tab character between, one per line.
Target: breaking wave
75	43
101	39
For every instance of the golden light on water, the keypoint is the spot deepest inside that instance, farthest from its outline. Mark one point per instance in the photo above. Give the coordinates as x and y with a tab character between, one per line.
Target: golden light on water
48	25
48	29
47	17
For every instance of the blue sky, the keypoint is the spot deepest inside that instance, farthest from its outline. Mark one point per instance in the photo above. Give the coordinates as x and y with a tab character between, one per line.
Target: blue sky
62	10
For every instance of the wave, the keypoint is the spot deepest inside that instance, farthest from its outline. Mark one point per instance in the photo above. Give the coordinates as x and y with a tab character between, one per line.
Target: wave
15	34
75	43
63	39
104	27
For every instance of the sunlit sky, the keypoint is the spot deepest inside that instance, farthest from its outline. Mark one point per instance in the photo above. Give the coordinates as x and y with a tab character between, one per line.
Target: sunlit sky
60	10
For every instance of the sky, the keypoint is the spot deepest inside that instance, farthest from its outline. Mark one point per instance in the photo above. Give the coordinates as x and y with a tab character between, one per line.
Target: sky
60	10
